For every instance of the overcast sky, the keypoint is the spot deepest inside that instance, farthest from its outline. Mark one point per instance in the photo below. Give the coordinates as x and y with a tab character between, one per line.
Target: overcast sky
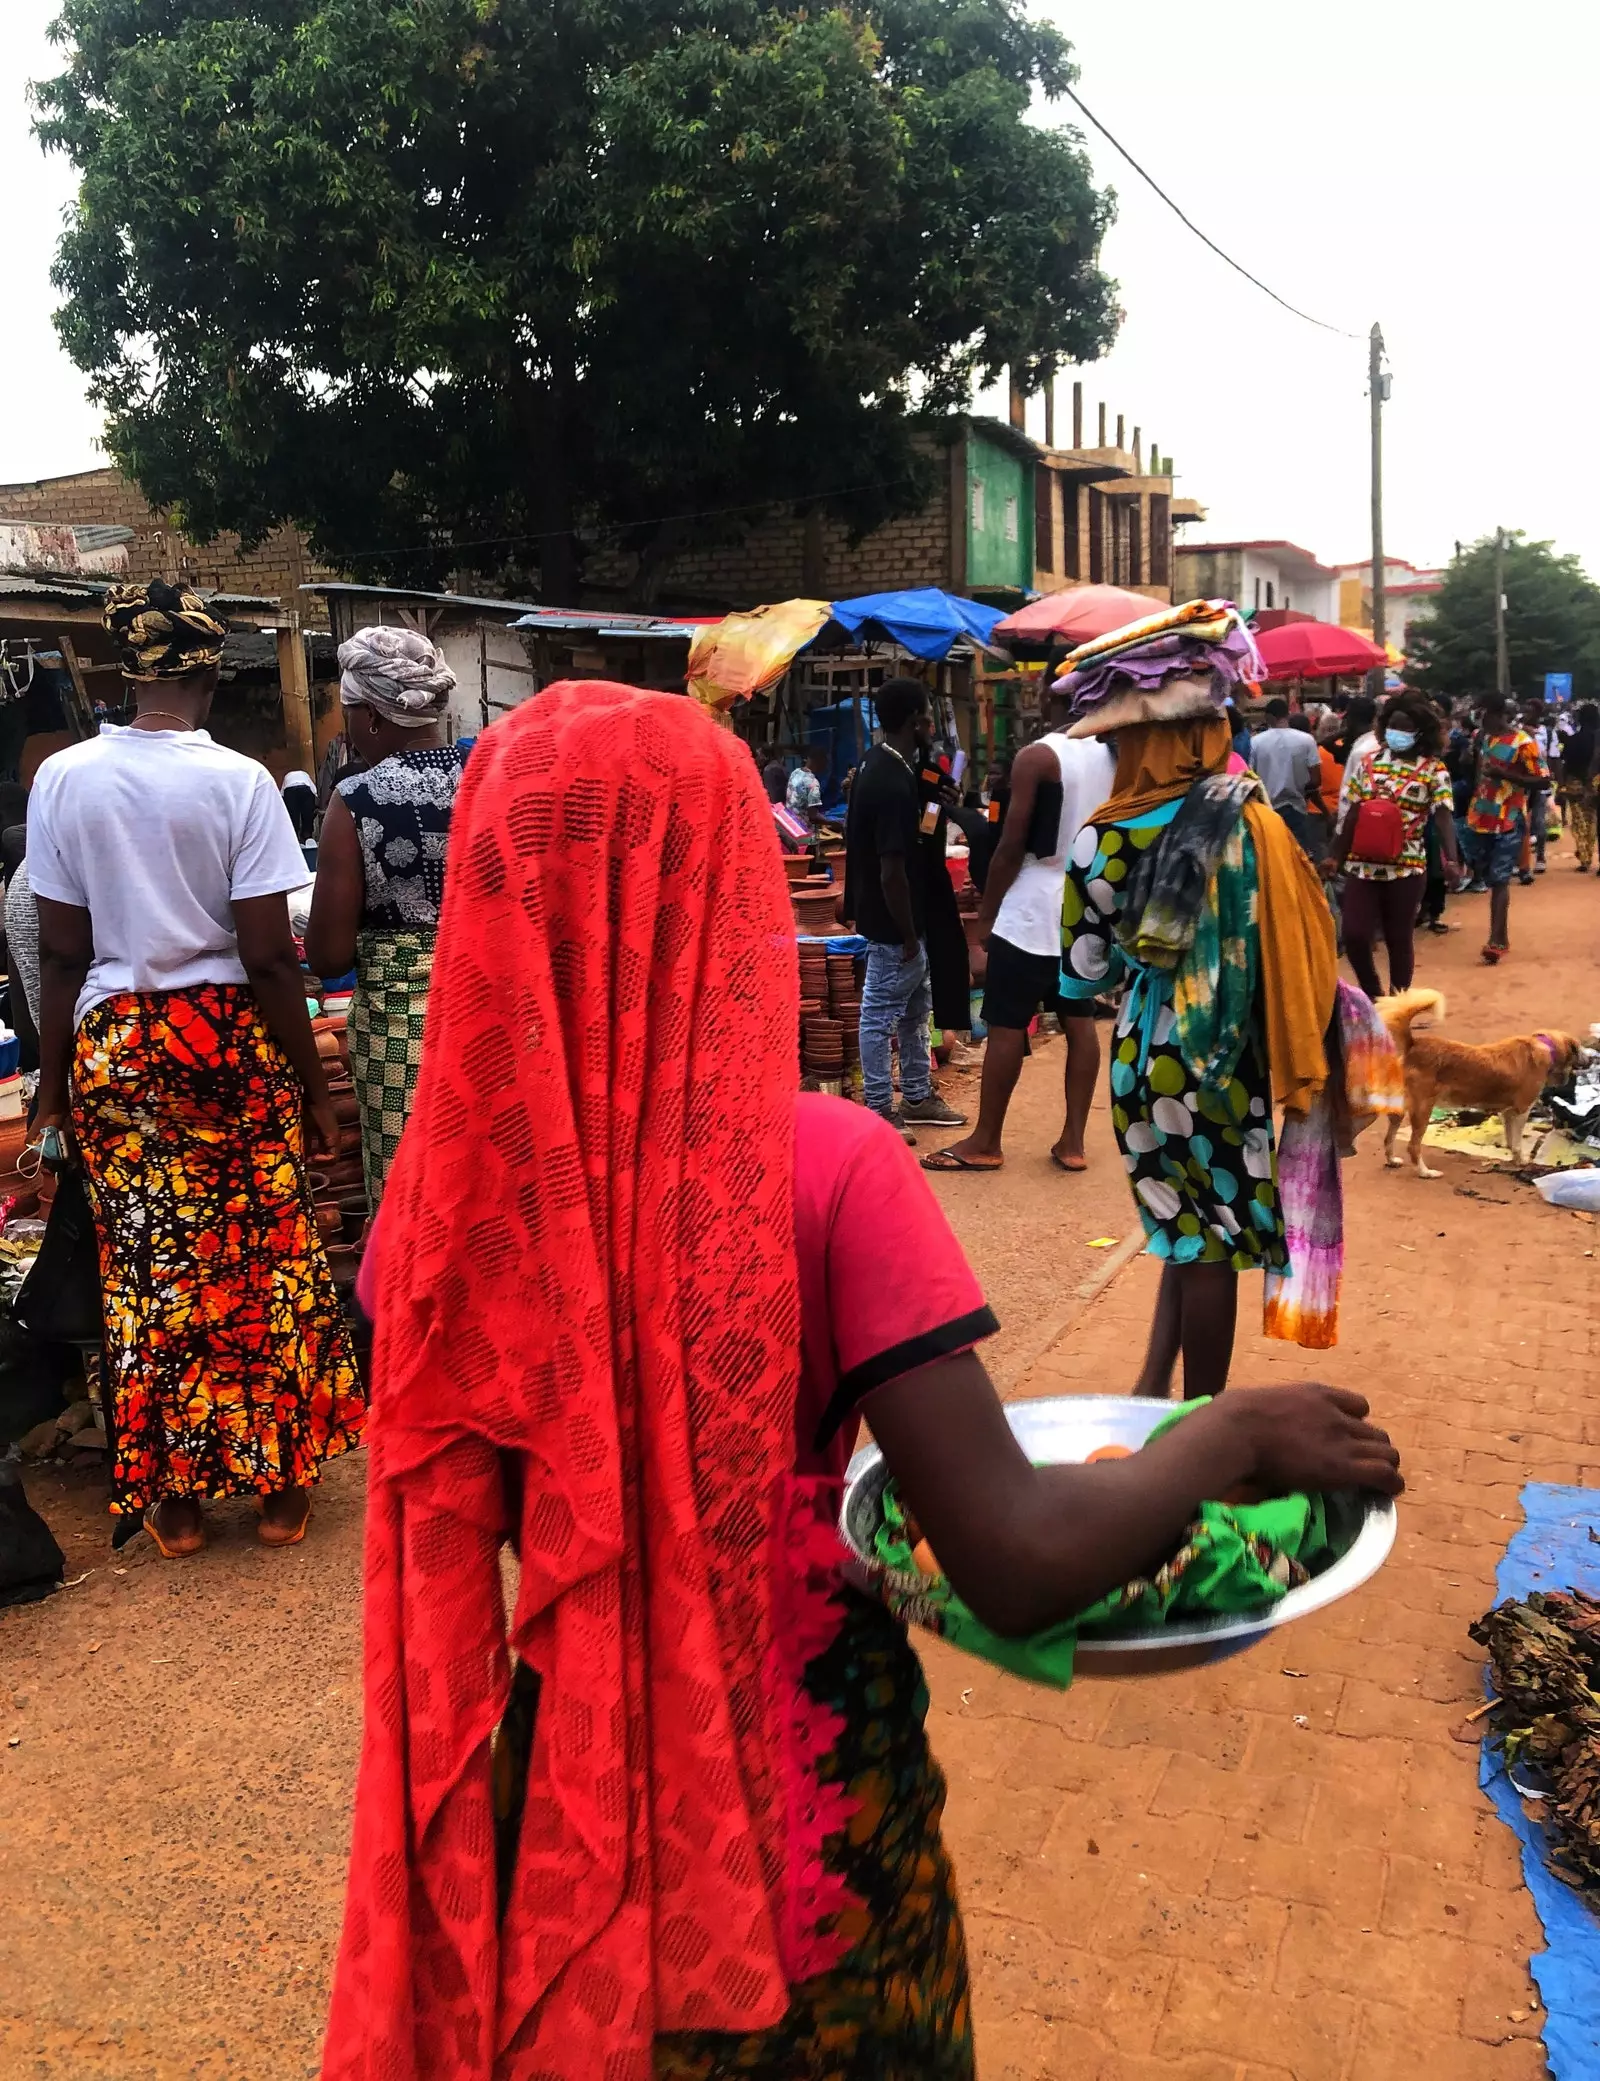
1428	164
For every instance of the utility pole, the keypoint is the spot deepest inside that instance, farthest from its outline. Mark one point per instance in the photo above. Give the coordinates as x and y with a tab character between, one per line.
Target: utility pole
1377	392
1502	657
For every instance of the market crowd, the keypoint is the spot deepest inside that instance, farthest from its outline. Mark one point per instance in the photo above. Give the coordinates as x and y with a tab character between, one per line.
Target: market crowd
665	1810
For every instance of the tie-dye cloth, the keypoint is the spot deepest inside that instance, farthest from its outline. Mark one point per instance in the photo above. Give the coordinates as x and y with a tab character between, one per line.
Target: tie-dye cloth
1301	1305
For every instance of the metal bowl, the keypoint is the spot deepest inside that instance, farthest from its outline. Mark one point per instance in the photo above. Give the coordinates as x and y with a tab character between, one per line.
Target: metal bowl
1064	1430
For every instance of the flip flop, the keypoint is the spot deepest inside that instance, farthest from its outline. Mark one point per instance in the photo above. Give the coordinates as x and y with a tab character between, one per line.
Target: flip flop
282	1535
1072	1165
183	1552
948	1160
1493	955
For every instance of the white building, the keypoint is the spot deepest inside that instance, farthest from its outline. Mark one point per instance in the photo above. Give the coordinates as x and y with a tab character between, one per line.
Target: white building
1271	577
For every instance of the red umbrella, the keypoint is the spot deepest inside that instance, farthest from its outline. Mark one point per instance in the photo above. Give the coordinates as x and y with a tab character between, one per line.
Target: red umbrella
1079	614
1315	650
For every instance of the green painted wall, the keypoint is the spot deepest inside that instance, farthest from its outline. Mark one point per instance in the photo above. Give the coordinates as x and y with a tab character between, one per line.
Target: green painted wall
999	517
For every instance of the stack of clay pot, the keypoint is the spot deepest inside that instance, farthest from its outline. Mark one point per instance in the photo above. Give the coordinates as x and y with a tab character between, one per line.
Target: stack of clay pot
815	901
822	1049
338	1191
844	1004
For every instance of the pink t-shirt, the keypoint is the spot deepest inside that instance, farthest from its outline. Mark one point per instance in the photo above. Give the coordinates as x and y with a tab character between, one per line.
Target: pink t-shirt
884	1285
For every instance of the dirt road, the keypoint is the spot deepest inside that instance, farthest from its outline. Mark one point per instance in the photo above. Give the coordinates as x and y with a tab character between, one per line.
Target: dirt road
1280	1868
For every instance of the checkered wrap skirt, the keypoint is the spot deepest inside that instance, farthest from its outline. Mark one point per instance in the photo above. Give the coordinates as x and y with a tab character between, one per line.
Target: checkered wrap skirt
393	970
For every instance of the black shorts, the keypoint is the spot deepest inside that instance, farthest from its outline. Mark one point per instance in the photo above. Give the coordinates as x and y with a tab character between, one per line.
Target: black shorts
1018	985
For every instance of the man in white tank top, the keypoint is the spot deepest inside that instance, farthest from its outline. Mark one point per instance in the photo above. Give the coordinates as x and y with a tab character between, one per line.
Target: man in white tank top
1057	784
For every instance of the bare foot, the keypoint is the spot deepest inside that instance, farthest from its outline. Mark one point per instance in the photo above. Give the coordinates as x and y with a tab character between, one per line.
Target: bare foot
284	1517
1067	1156
177	1527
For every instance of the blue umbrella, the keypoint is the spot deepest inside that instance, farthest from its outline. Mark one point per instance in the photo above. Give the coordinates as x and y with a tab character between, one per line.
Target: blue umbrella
924	621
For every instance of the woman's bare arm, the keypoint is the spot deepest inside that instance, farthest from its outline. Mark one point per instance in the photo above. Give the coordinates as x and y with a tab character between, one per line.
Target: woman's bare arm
1027	1547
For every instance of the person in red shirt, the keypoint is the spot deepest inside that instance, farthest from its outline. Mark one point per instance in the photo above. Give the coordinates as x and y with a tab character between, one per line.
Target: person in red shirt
673	1811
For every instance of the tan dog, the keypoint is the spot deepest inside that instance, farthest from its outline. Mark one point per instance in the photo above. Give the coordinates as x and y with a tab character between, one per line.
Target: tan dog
1503	1077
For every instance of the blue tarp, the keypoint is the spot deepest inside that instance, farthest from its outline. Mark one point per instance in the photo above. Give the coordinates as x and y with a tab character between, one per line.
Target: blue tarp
925	621
1554	1551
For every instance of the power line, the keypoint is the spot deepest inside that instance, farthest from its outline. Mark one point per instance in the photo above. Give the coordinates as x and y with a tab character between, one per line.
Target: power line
1321	323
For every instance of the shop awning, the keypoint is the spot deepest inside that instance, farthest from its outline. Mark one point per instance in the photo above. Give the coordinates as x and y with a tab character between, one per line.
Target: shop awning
925	621
743	653
1315	650
1078	614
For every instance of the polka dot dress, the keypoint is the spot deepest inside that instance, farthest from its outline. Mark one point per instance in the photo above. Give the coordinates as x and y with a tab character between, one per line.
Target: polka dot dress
1202	1164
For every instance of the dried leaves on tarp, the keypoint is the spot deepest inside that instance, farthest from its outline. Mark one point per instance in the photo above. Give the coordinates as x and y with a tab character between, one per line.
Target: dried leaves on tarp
1545	1649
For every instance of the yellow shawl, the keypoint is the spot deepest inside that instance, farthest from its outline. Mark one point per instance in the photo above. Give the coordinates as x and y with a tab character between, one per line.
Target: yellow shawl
1299	960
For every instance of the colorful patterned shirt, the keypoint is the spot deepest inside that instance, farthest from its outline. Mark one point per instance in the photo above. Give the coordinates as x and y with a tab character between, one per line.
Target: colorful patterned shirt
1418	787
805	792
1498	805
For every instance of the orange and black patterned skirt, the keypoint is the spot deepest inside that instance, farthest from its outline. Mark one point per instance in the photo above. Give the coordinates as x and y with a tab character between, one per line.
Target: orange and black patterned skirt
228	1357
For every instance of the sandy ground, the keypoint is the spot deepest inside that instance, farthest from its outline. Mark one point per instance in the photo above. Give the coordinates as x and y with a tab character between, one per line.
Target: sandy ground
1237	1876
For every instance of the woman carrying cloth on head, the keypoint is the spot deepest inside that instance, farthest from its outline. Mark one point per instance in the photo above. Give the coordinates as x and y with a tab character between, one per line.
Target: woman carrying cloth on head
380	871
174	1044
1187	886
672	1817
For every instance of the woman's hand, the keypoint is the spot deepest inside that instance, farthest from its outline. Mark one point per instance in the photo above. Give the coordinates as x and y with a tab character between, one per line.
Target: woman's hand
1308	1439
52	1137
322	1124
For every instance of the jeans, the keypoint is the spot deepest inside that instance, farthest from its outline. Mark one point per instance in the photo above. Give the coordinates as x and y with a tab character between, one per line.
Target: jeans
1298	818
896	994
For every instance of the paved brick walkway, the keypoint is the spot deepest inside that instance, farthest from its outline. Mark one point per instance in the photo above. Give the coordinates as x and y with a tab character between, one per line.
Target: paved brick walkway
1282	1867
1175	1881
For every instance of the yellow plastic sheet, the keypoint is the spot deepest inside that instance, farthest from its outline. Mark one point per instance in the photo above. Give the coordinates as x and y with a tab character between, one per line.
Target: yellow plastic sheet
744	653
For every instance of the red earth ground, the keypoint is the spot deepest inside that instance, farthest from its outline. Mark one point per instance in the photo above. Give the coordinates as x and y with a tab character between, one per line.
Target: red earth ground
1278	1868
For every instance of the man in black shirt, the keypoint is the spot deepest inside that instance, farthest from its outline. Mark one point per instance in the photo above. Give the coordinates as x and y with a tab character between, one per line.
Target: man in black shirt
885	895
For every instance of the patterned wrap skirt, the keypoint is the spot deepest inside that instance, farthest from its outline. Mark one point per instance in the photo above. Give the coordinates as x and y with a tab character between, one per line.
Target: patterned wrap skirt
387	1012
897	2006
229	1360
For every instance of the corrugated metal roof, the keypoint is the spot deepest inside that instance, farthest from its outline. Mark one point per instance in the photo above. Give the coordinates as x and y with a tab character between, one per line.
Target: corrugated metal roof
85	592
102	534
558	621
332	588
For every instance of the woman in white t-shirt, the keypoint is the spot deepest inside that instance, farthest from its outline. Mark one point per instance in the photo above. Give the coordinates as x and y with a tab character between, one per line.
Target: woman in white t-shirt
175	1046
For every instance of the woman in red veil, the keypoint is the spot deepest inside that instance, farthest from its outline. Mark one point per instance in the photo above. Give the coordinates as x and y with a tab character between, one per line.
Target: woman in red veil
665	1811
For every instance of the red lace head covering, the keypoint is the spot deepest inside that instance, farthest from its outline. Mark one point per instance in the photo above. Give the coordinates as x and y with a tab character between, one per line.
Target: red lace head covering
588	1338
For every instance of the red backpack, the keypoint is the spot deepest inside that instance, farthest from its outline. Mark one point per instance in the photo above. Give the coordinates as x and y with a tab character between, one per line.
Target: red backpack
1379	838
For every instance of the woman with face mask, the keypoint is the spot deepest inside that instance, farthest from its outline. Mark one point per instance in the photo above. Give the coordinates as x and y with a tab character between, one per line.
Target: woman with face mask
1381	844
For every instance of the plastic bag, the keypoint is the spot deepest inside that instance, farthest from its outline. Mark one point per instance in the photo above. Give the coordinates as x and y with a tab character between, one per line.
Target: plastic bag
1578	1188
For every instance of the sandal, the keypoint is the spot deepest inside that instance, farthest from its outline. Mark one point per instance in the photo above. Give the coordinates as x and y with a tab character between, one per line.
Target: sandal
948	1160
180	1549
282	1535
1492	954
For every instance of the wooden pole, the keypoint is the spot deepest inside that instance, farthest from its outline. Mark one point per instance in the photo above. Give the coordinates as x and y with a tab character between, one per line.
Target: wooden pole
1502	655
80	717
1377	389
296	684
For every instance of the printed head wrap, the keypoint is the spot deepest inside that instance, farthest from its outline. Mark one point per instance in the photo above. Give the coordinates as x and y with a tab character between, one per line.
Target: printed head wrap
1123	677
163	631
396	672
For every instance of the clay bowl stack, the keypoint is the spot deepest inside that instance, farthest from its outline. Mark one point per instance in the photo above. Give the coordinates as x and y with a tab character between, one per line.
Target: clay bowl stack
797	866
844	1003
813	901
813	974
822	1049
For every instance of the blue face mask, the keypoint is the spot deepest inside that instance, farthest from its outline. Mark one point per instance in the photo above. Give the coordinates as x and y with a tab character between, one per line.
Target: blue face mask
1400	740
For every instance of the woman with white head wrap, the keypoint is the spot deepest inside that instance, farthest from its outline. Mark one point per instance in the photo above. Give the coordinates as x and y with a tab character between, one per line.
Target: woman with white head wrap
380	870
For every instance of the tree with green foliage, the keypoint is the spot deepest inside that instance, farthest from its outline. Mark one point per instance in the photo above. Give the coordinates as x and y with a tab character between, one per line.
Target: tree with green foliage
1552	624
478	285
